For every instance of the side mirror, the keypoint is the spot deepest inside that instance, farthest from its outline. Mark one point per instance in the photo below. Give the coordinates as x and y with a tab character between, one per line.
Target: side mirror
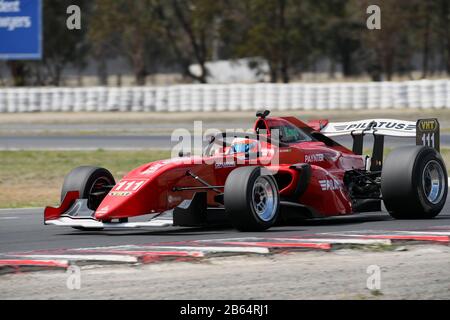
262	114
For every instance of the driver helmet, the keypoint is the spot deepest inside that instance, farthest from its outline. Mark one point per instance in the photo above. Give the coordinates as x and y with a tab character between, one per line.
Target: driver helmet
241	145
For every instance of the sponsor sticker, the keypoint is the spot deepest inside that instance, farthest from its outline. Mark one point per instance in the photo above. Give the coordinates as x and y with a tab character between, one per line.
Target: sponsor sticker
317	157
394	125
219	165
330	185
120	194
382	126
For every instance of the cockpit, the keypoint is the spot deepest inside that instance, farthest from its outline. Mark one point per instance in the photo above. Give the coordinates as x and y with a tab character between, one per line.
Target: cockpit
267	132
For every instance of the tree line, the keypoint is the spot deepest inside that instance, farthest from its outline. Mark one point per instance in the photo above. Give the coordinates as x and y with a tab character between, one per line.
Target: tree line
292	36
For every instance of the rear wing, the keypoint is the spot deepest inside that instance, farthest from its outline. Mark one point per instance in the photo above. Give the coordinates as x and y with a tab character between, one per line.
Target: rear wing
426	132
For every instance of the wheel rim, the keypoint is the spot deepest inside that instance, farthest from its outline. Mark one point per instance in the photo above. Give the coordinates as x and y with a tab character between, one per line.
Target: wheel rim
98	192
264	198
433	182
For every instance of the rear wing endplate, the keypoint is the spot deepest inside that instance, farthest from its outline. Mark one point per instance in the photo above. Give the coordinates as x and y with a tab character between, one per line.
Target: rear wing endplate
428	133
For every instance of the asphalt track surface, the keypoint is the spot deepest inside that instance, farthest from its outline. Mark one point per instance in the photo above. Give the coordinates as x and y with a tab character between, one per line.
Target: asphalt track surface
23	230
133	142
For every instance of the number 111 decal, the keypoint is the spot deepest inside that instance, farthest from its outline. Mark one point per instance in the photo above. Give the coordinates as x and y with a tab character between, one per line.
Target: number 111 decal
428	139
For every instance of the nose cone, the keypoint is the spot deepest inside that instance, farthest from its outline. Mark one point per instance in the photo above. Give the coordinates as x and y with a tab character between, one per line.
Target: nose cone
142	191
132	197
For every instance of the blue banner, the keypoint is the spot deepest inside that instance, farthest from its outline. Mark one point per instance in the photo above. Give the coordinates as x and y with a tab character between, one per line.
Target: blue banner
20	29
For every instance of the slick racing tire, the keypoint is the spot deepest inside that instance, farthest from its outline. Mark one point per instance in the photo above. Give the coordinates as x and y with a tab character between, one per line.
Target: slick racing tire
91	183
251	199
414	183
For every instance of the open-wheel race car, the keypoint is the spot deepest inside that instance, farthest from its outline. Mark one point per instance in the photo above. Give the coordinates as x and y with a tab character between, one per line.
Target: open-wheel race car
284	168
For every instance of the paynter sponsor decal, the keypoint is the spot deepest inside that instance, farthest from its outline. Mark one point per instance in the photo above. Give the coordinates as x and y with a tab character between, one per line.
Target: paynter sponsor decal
318	157
330	185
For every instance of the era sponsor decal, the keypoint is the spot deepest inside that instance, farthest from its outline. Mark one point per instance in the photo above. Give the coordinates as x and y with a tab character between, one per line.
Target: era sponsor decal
330	185
316	157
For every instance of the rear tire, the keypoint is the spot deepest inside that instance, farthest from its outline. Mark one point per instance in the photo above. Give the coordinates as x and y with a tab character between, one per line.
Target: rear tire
90	182
414	183
251	199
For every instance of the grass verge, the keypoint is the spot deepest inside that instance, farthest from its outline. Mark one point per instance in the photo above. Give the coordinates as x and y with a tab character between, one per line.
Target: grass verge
34	178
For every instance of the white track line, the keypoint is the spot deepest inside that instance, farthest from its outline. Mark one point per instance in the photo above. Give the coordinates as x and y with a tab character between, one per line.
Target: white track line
425	233
90	257
218	249
305	240
16	210
338	241
359	233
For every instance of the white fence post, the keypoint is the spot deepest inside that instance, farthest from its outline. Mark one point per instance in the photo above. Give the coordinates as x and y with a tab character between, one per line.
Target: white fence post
173	99
161	99
296	97
413	94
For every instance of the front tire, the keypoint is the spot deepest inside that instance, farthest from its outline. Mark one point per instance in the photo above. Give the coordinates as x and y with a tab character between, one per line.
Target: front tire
92	183
414	183
251	199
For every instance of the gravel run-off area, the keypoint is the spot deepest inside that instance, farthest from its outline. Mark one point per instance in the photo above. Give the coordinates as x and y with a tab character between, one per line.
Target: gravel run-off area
413	272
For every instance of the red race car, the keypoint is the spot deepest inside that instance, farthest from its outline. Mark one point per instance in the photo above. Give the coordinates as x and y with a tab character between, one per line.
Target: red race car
284	168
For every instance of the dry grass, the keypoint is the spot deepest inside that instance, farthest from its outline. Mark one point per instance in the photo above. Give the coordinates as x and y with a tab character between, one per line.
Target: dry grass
34	178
